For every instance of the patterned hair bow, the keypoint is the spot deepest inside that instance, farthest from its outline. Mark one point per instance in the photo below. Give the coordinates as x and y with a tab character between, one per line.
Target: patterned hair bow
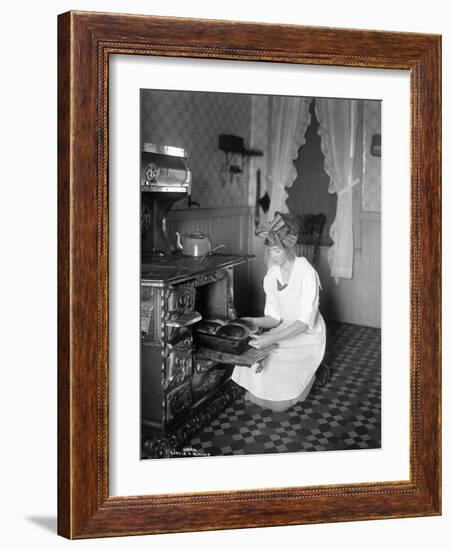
278	233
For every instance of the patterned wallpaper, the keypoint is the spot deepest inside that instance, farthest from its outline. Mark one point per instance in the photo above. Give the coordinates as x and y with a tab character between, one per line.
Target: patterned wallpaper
194	120
259	140
371	188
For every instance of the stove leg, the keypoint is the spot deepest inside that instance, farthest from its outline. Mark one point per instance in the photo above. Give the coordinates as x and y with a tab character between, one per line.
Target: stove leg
172	444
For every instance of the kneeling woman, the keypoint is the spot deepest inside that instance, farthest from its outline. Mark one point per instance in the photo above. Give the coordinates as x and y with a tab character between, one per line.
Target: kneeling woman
292	320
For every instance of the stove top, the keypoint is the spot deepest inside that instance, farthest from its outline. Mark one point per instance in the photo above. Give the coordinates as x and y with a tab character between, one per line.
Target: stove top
162	270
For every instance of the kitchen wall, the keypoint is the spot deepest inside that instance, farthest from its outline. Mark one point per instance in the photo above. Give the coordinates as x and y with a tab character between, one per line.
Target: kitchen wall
260	136
194	120
371	187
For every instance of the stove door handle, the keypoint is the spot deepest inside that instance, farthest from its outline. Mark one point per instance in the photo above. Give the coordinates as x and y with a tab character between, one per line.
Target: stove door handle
184	320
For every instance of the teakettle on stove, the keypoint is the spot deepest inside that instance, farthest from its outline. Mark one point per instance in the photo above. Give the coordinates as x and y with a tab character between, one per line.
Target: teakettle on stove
193	244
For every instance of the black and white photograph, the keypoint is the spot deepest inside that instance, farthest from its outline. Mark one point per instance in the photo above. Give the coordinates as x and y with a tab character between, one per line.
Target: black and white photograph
260	288
225	277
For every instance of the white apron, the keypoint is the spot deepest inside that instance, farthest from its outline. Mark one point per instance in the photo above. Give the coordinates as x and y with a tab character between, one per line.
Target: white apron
288	372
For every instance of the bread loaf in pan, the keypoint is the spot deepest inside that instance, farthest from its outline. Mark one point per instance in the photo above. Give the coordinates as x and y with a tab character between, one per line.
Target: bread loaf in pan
230	337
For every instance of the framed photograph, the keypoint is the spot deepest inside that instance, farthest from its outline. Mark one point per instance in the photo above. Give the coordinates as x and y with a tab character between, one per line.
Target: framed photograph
249	275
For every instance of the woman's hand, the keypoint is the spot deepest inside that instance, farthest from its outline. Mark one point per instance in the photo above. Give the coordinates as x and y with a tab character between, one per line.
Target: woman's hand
260	342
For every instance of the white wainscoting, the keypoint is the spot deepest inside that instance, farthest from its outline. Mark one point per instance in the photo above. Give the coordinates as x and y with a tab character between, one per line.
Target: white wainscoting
356	300
229	226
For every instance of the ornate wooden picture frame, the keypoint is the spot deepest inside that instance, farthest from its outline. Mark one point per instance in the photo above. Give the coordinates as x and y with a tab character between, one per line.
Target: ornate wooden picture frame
85	508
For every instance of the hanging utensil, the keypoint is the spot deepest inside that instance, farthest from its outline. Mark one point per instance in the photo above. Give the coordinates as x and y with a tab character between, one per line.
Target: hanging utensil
258	195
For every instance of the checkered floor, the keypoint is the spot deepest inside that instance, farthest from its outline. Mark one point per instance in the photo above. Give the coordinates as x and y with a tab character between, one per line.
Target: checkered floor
344	414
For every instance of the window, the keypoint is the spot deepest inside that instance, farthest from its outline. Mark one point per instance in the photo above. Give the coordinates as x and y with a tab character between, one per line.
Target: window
309	193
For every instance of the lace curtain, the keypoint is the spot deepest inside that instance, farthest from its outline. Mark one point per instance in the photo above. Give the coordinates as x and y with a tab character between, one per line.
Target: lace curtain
338	128
290	118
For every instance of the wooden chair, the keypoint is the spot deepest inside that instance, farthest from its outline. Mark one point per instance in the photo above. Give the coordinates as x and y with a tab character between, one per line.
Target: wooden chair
309	230
310	233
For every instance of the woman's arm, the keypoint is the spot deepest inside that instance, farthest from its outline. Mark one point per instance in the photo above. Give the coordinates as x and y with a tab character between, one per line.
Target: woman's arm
265	340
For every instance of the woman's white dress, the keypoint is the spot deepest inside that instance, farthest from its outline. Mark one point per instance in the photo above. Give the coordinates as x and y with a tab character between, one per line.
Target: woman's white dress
288	372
